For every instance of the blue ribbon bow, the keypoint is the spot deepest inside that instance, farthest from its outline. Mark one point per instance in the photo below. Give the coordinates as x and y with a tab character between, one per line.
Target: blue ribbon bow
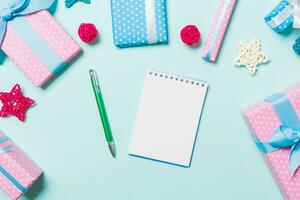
287	135
9	9
70	3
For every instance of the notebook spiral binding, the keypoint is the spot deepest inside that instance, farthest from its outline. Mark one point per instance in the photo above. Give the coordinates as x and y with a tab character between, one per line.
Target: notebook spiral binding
176	78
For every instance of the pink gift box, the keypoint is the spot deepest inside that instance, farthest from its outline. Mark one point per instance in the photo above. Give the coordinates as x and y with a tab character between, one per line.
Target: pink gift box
17	171
263	120
39	46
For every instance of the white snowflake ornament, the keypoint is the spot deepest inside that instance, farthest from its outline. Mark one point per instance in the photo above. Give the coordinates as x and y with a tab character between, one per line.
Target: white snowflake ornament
250	56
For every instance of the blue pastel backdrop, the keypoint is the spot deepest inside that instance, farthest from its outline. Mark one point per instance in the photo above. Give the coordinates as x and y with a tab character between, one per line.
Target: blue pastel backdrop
63	134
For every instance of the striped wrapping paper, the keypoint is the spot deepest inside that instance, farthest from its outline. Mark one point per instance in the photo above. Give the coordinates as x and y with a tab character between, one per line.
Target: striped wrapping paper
218	30
39	46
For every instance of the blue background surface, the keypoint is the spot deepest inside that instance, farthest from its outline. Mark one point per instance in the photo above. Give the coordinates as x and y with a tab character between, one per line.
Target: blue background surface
63	134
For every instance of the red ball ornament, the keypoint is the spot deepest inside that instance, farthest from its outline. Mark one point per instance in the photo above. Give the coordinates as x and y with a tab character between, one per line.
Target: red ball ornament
87	32
190	35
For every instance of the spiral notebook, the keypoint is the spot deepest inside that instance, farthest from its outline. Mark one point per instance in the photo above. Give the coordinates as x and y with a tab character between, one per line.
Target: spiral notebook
167	120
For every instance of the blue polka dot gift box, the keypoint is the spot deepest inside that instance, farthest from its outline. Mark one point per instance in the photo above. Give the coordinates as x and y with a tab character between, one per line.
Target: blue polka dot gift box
285	16
139	22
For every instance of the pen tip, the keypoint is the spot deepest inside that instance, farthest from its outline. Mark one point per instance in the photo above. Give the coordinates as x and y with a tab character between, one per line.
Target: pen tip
112	149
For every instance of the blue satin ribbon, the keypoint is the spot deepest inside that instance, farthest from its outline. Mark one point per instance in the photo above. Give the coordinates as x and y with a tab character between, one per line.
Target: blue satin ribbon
70	3
9	9
287	135
38	45
7	149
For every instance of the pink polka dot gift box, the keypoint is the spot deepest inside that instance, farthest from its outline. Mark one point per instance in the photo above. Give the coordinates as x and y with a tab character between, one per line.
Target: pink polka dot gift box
275	127
17	171
34	41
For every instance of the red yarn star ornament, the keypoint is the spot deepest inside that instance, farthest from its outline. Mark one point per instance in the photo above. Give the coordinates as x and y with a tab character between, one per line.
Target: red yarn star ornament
14	103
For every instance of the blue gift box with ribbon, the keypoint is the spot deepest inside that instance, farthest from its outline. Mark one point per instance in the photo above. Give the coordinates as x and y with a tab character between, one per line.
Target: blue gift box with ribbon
139	22
284	16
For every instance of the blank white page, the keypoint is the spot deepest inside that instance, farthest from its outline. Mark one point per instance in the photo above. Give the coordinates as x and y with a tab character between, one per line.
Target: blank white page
167	120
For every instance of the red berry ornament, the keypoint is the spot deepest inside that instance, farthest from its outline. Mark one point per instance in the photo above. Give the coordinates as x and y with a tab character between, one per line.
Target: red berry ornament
87	32
190	35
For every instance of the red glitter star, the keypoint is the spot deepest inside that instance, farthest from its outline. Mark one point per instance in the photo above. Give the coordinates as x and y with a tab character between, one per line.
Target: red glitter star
14	103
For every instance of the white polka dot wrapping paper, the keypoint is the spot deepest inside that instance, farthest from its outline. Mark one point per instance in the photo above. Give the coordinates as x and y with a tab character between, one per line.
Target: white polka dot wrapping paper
139	22
279	112
284	16
39	46
17	171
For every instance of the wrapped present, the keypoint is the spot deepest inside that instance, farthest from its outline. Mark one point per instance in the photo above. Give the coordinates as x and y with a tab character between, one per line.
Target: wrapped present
284	16
33	40
218	29
17	171
275	127
139	22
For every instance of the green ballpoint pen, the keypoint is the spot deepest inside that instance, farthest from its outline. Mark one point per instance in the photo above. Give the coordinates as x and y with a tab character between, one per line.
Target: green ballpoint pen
102	111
